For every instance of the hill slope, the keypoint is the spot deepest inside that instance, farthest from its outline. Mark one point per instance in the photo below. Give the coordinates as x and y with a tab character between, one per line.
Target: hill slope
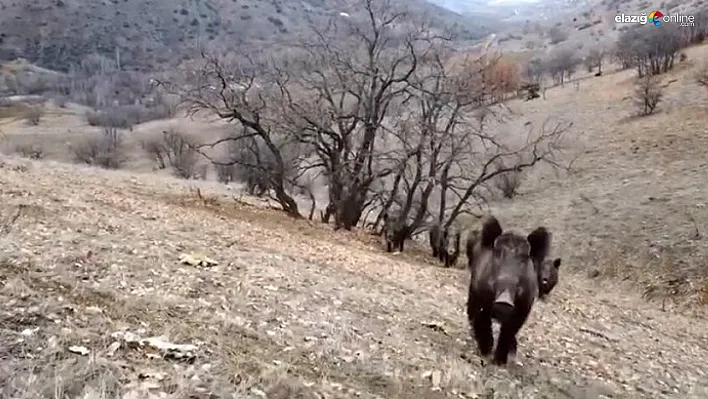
150	33
290	309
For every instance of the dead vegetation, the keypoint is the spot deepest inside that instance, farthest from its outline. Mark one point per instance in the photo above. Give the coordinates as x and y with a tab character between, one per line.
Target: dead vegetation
175	150
104	149
647	93
33	115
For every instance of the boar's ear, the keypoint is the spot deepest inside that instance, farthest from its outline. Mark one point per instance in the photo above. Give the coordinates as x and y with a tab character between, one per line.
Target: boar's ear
557	262
540	242
491	229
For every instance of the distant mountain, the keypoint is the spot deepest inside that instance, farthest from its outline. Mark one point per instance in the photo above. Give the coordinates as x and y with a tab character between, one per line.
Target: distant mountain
148	34
466	6
510	10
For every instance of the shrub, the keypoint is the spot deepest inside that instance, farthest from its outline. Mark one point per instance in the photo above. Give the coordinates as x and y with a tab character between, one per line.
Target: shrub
33	115
702	76
108	119
647	93
508	183
125	116
226	173
60	101
105	150
31	151
175	150
557	35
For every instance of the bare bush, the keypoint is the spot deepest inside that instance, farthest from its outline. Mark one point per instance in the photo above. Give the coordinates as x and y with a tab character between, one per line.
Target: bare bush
702	76
561	65
124	117
647	94
105	149
31	151
60	101
112	119
557	35
508	183
175	150
33	115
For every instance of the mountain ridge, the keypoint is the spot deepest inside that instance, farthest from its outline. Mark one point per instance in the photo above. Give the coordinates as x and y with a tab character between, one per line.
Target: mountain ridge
146	34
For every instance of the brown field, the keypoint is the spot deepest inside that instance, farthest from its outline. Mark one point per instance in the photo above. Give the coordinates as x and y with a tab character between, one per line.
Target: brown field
295	310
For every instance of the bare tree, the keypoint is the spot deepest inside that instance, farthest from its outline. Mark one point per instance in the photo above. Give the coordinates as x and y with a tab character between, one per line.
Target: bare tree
448	151
647	94
561	64
651	51
495	156
426	138
348	79
241	91
534	71
594	60
372	108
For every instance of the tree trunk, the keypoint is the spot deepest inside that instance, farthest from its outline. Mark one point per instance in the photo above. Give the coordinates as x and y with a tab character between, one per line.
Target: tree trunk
286	201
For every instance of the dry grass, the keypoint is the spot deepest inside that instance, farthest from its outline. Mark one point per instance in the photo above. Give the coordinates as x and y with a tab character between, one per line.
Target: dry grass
296	310
291	306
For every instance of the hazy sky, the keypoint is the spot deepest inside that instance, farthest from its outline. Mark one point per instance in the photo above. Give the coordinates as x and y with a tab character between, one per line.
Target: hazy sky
512	2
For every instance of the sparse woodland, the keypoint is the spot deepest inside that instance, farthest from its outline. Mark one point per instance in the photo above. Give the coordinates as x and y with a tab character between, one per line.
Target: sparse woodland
381	110
375	111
